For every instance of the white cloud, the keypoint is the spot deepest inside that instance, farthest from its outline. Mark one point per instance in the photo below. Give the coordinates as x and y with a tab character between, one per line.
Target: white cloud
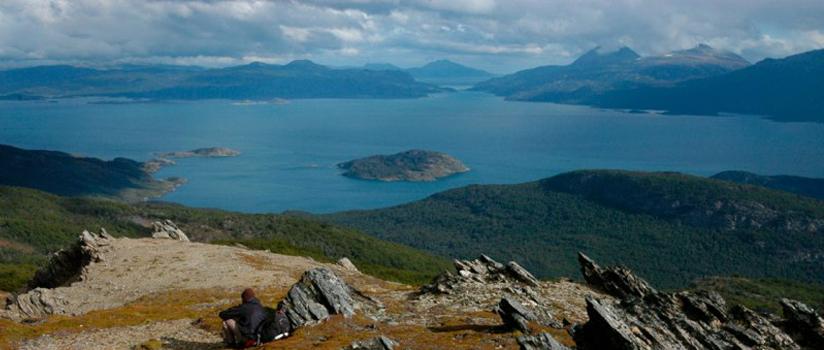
498	35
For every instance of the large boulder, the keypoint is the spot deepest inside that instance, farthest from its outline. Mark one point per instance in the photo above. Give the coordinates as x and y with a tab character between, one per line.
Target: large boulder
319	294
643	318
167	229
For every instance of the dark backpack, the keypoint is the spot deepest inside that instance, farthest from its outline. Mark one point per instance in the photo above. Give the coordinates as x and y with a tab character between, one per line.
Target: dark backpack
276	326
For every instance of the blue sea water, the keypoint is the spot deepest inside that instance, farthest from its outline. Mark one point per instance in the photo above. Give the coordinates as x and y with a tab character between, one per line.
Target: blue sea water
289	151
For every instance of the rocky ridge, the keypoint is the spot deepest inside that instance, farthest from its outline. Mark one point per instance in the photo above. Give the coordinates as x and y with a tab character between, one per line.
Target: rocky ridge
641	317
508	290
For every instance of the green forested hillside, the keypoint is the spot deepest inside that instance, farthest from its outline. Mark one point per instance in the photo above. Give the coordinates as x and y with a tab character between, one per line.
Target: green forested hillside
763	294
805	186
33	223
670	228
69	175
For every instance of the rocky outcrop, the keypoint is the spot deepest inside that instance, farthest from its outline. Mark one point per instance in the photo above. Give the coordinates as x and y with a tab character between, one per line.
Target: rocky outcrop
643	318
64	268
319	294
483	270
484	280
168	230
617	281
412	165
806	325
379	343
515	315
543	341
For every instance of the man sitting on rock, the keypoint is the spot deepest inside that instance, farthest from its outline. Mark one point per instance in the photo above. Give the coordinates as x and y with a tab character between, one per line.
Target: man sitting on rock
240	323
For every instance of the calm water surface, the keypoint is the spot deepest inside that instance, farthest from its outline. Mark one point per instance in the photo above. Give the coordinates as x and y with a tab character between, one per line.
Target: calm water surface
290	151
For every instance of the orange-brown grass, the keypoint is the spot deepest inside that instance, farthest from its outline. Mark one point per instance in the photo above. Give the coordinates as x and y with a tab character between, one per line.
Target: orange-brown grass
256	261
561	335
453	333
201	304
438	329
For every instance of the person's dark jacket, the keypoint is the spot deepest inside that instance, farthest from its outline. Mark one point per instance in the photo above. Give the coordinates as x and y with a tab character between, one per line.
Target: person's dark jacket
249	316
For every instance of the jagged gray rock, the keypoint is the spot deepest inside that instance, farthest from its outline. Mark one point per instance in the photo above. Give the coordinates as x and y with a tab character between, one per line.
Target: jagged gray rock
64	268
379	343
318	294
803	323
486	281
167	229
644	318
482	269
617	281
543	341
515	315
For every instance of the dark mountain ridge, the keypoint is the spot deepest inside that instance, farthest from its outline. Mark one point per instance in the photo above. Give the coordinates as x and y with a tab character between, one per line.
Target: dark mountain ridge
788	89
297	79
69	175
599	71
448	72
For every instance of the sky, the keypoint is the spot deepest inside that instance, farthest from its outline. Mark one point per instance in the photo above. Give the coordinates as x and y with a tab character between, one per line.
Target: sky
497	35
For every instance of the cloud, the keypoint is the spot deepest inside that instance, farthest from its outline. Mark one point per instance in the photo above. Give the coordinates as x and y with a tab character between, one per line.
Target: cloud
493	34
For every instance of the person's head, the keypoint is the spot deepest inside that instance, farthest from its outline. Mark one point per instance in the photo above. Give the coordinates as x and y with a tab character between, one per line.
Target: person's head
247	295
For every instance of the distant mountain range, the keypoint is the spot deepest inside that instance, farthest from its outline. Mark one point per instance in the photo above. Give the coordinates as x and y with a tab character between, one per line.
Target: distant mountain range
448	72
788	89
599	71
701	80
672	227
256	81
442	72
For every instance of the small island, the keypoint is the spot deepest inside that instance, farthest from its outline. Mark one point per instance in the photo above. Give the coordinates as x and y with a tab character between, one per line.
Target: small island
165	159
412	165
209	152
